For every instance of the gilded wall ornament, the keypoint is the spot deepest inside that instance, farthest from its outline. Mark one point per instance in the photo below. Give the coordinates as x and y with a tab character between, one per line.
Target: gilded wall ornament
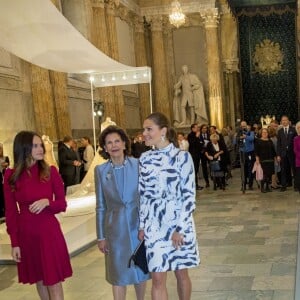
267	57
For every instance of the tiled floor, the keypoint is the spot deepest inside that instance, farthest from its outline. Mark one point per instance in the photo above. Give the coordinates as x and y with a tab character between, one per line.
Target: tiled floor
248	245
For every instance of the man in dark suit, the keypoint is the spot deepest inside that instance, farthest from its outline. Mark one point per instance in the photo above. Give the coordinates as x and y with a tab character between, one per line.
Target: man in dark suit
195	150
285	152
204	140
68	162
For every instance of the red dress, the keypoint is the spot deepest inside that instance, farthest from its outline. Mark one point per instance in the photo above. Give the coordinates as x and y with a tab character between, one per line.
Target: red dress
44	253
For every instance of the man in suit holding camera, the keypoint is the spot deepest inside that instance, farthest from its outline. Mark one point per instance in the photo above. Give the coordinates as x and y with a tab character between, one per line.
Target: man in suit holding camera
245	139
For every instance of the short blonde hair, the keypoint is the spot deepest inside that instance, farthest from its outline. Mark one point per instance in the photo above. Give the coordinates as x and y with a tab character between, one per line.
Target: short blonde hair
214	136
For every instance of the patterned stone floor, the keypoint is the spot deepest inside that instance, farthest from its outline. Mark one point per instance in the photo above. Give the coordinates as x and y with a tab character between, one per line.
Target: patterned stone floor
248	245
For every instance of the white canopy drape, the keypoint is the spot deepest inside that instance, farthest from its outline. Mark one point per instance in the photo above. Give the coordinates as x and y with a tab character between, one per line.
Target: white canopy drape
37	32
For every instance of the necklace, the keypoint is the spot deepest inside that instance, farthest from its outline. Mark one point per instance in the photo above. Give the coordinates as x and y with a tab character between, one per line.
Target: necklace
118	167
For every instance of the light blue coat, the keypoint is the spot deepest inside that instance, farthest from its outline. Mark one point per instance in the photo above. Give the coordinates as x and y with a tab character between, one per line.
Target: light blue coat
117	221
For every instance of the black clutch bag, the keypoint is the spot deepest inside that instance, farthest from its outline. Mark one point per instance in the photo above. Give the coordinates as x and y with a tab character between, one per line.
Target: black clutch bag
139	257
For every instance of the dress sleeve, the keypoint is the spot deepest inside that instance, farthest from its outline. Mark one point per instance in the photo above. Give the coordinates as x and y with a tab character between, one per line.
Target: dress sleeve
100	206
143	210
58	202
187	189
11	210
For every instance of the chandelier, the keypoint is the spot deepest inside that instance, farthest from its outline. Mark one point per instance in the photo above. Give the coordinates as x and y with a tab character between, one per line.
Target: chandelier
177	17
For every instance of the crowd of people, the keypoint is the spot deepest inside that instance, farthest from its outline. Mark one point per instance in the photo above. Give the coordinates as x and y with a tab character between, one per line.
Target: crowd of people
148	196
275	147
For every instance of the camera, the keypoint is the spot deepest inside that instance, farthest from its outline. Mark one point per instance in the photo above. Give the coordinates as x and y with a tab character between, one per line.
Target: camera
242	140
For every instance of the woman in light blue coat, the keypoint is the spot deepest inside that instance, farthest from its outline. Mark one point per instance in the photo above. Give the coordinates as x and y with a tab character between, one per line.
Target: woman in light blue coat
117	206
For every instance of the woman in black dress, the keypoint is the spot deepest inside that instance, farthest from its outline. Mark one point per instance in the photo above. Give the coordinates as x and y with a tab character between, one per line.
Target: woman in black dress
265	155
217	152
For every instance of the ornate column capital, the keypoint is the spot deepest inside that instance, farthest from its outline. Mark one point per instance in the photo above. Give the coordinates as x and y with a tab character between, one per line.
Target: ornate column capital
138	23
231	65
156	22
111	6
98	3
211	17
123	13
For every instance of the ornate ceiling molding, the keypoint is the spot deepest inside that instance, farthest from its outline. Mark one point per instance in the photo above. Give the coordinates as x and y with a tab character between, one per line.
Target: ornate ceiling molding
192	7
131	5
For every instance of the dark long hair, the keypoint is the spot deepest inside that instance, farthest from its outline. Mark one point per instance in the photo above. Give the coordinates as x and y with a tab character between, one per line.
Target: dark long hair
22	149
163	122
124	137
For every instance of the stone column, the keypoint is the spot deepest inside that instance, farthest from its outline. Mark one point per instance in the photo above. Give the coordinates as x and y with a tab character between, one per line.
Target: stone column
229	37
58	82
42	98
161	97
141	60
211	19
232	95
170	61
100	40
113	39
61	103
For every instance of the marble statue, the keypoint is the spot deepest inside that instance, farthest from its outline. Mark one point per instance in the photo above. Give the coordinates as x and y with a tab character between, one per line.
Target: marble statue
192	101
176	106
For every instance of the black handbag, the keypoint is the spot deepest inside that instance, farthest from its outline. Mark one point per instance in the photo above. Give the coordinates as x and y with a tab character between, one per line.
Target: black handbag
215	165
139	257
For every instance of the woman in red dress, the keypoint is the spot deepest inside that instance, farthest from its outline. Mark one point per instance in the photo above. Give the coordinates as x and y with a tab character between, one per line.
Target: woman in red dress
33	194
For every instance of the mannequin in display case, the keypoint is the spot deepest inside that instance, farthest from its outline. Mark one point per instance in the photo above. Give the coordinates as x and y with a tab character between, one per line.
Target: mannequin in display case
107	123
49	154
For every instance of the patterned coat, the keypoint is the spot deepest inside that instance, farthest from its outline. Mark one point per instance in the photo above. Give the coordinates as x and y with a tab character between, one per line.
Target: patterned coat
167	189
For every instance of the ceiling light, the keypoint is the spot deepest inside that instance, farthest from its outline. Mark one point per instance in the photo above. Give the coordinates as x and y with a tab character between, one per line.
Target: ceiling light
177	17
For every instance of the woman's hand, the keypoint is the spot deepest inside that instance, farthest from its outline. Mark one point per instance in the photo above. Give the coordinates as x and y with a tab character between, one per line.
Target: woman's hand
37	206
216	155
16	254
177	239
141	234
210	157
102	245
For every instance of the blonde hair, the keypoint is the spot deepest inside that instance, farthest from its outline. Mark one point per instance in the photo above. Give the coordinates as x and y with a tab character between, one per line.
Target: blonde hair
214	136
297	126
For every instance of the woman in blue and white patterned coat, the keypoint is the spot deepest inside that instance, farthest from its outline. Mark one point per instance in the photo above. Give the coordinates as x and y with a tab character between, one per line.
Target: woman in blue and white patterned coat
167	189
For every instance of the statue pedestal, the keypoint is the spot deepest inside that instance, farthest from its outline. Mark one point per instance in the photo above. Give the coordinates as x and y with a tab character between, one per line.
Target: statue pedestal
185	128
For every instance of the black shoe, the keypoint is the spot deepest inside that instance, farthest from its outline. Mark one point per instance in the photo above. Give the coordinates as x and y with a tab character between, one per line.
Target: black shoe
274	187
199	188
283	189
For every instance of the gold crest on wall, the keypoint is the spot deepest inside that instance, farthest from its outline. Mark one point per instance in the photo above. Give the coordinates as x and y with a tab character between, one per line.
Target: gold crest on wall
267	57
